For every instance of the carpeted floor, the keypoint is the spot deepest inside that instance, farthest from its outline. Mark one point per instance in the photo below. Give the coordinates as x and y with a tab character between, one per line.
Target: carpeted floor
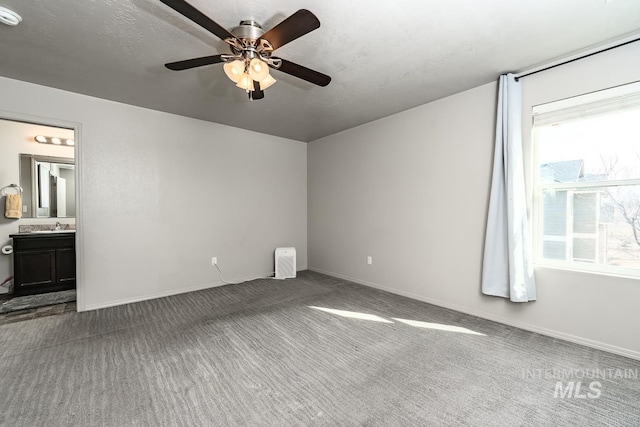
308	351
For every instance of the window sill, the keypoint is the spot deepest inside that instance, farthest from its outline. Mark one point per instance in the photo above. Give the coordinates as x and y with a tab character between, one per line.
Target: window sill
622	273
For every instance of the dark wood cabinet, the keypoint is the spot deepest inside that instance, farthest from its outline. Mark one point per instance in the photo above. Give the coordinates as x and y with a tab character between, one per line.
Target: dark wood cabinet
43	262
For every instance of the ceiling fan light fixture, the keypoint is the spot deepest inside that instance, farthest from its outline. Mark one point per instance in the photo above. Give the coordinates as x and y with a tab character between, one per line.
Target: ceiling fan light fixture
251	48
267	82
258	69
234	70
245	82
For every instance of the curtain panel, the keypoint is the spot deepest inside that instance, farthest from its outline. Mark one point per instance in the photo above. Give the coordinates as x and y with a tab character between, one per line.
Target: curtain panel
507	269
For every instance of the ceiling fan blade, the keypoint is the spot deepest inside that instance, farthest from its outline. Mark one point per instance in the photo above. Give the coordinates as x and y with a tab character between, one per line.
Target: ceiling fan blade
304	73
297	25
193	63
199	18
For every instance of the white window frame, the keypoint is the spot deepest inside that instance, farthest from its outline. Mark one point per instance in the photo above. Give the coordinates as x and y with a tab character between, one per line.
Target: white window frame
538	239
570	234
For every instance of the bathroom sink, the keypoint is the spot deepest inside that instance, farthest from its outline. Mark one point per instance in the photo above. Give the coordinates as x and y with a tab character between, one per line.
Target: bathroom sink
53	231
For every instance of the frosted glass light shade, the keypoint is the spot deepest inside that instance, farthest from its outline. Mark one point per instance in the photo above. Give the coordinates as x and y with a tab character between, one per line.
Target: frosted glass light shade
258	70
245	82
234	70
9	17
54	140
267	82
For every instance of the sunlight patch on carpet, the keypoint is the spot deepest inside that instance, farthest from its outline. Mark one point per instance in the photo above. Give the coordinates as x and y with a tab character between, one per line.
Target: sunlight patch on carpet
353	314
437	326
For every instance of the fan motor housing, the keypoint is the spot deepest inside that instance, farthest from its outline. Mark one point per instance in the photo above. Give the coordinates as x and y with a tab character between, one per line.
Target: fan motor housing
248	29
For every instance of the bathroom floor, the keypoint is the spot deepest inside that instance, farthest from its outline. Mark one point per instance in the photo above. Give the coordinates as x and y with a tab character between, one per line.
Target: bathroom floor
33	313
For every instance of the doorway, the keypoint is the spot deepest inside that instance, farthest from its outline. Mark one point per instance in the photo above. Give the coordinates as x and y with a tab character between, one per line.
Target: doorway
39	158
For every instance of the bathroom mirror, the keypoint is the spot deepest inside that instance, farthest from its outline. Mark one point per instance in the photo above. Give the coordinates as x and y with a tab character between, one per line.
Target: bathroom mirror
49	186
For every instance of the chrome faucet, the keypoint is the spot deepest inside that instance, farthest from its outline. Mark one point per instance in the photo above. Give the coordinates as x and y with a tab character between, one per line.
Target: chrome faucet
58	226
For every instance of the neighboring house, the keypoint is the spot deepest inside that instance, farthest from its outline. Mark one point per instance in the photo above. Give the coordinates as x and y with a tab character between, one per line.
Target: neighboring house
573	228
566	171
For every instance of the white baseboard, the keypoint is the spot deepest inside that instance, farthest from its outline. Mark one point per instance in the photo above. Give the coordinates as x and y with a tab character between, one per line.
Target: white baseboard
123	301
632	354
168	293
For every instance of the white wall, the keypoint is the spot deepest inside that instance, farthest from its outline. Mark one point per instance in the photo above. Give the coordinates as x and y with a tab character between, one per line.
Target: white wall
411	190
17	138
161	194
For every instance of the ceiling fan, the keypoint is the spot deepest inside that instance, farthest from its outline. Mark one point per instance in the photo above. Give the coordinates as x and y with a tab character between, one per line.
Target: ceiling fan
251	49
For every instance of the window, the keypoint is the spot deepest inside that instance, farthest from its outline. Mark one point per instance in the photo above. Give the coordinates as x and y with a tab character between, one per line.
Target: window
587	182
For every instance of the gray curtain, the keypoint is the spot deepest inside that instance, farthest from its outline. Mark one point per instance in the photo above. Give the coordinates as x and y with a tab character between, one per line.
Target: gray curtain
507	269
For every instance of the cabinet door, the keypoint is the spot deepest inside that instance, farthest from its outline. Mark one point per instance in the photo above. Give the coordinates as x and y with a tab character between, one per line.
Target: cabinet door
66	266
34	269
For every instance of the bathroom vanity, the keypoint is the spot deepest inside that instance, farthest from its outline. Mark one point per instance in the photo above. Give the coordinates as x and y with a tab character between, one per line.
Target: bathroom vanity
44	262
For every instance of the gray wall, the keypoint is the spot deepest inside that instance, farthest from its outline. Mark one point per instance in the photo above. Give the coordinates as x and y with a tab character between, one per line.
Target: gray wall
411	190
161	194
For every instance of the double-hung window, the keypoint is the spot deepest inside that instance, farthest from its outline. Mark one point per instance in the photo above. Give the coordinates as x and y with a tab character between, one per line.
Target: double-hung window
587	182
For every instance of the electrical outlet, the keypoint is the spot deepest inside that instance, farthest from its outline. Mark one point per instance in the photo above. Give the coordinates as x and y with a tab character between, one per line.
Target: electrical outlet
214	260
369	260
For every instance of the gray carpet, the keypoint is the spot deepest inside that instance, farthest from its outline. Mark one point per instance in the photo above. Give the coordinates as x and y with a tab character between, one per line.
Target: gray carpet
258	354
39	300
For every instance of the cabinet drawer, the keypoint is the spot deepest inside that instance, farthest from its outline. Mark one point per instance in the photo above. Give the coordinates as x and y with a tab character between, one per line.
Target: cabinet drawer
25	244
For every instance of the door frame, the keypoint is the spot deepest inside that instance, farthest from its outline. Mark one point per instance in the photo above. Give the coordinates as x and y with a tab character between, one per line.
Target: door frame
77	152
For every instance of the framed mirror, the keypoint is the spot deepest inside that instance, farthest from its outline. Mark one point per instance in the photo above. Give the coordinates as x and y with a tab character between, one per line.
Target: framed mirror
48	185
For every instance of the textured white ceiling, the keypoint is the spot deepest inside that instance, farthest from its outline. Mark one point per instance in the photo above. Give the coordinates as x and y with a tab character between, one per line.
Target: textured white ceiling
384	57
